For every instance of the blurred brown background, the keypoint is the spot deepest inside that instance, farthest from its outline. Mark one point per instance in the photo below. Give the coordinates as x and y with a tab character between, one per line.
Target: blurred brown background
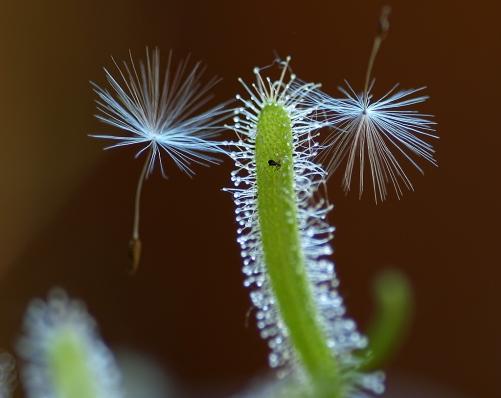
66	205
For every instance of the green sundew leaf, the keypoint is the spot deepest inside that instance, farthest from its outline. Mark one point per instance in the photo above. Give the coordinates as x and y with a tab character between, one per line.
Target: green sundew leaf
391	321
69	367
282	246
63	353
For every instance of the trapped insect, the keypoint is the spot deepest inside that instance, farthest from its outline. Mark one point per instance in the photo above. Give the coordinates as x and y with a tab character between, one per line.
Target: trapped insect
274	163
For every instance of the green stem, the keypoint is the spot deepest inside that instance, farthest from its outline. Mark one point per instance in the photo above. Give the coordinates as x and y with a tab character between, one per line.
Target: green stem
393	294
282	247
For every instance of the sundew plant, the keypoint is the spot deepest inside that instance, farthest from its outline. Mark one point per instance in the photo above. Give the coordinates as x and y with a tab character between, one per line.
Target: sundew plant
287	138
281	214
284	236
64	355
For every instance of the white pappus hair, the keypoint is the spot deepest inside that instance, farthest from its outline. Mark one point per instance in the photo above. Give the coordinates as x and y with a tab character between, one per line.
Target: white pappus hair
161	111
44	323
298	100
378	132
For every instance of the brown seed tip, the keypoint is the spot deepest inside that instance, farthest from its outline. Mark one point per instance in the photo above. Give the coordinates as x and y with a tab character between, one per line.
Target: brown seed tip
384	23
134	254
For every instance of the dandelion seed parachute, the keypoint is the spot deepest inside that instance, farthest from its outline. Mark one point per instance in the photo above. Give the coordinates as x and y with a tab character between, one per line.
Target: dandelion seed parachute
63	352
161	111
299	100
383	130
379	132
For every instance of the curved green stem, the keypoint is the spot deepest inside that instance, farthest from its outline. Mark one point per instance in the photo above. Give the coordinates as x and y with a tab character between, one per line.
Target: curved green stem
283	254
393	313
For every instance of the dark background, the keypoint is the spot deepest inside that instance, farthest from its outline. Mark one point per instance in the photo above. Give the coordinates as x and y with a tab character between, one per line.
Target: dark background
66	205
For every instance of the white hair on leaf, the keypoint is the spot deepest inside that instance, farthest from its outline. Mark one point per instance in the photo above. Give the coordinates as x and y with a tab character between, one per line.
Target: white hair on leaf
160	111
62	321
300	101
7	375
378	133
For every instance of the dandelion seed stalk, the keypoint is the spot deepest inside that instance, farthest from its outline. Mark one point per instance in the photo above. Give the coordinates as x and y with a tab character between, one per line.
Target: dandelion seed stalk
135	242
282	247
384	25
160	114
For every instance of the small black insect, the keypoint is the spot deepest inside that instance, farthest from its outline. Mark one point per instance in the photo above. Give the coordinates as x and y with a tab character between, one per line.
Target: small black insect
272	163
